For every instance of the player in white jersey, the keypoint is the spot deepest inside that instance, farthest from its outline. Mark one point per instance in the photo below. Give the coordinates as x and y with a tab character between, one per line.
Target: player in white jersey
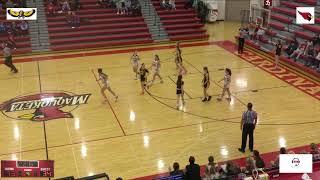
105	84
156	69
226	85
135	61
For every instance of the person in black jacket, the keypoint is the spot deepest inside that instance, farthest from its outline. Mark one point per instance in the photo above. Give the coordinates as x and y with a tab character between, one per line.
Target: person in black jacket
192	170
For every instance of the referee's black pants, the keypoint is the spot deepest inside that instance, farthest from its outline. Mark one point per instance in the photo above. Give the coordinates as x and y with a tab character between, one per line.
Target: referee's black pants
247	129
240	45
8	62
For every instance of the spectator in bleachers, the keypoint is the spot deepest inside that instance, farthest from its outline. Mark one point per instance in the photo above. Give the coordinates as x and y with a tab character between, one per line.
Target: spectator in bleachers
314	149
251	28
189	4
15	29
118	5
51	8
135	8
192	170
292	47
127	6
9	4
172	4
65	7
318	61
310	57
250	166
258	159
232	169
316	40
275	163
165	4
24	27
73	19
298	52
103	3
176	170
211	171
2	28
75	5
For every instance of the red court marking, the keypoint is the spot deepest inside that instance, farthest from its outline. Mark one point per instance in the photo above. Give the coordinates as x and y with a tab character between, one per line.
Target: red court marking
303	84
113	112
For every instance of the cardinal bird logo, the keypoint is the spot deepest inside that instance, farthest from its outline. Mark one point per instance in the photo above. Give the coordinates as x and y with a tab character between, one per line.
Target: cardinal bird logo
21	14
43	106
306	15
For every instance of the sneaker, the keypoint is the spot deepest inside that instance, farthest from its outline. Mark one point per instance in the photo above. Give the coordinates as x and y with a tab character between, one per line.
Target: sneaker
205	99
241	150
15	71
219	98
209	98
142	93
228	98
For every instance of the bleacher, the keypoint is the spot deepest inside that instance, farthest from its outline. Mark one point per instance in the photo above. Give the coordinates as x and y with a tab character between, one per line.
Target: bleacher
99	27
282	26
23	43
180	24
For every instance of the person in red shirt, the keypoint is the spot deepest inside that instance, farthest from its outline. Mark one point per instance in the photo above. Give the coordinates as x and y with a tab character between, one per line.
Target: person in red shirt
51	8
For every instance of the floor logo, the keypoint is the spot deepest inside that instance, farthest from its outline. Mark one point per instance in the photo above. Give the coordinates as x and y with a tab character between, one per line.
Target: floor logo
21	13
305	15
43	106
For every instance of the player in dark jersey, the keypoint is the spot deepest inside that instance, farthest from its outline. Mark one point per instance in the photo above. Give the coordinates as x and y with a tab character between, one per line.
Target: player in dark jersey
180	91
105	85
278	50
143	72
206	84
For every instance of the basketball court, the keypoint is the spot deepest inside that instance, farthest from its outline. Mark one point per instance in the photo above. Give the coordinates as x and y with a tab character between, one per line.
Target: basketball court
144	134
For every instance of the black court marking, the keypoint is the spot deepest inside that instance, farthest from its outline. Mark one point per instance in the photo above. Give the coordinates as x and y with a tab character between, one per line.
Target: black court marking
217	84
43	122
228	120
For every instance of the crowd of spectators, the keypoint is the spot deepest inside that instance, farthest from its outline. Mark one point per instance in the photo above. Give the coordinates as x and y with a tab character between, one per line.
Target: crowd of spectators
9	30
70	7
230	169
124	7
308	51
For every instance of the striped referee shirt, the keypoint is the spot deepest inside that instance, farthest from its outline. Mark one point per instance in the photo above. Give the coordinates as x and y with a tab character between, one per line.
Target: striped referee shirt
249	117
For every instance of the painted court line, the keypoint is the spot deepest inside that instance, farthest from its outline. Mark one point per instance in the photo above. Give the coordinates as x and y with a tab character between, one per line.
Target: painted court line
113	112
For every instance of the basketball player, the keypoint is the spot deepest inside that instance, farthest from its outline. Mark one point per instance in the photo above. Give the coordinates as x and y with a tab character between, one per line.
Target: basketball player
143	72
105	85
226	86
135	60
278	50
180	91
8	57
206	84
156	69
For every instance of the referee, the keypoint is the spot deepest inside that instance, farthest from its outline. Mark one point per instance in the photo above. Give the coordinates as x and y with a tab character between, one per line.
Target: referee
247	125
8	58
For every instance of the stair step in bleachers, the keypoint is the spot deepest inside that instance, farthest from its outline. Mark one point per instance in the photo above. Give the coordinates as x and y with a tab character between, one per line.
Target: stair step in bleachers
180	24
281	18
